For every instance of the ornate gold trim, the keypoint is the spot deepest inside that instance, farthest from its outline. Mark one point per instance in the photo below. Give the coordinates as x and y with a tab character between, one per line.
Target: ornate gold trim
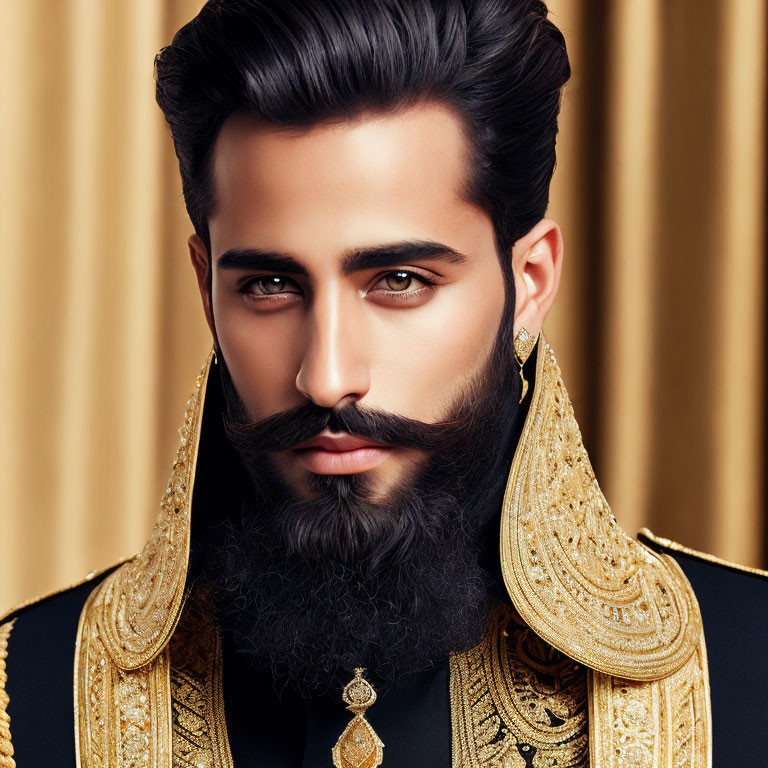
197	697
6	747
652	724
646	533
172	706
88	577
123	716
573	574
517	701
140	603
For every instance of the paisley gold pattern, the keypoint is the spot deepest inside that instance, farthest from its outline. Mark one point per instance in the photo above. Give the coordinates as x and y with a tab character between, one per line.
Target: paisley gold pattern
574	576
516	701
659	724
197	701
140	602
6	748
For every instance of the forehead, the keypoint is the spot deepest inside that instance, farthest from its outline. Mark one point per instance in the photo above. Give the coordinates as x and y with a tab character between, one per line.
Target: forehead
343	184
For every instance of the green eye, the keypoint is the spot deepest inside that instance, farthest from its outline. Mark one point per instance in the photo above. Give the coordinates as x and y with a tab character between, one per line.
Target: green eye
399	281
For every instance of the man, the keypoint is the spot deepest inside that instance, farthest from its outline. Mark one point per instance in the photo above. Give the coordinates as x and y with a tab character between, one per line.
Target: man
382	541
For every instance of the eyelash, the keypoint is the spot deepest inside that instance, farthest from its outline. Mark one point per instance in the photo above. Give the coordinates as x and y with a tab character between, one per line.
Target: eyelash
401	297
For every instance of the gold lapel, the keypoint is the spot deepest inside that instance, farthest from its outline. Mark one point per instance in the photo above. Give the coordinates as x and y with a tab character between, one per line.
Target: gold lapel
573	574
125	672
627	615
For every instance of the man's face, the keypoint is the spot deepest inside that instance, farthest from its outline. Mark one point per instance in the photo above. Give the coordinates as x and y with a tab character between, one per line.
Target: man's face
346	267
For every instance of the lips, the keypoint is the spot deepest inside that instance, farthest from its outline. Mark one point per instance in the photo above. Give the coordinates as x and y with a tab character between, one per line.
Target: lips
338	443
340	454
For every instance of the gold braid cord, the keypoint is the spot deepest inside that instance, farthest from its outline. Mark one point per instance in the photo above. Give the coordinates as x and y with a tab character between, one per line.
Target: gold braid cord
573	575
6	748
517	702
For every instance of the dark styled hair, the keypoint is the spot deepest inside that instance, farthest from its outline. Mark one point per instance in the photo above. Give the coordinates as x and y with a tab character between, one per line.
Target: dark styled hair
499	64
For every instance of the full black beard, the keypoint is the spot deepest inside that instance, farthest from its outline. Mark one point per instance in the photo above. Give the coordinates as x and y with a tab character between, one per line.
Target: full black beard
314	588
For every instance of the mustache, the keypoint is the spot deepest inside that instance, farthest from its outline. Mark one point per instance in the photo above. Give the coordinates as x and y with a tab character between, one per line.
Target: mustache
284	430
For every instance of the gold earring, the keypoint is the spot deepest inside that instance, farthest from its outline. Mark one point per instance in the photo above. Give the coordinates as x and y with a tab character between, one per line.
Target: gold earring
215	356
525	343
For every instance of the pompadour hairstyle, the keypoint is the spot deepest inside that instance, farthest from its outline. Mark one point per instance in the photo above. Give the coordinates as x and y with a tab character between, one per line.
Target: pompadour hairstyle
499	64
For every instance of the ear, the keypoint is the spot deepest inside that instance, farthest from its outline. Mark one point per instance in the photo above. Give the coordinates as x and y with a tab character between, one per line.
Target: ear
537	260
201	261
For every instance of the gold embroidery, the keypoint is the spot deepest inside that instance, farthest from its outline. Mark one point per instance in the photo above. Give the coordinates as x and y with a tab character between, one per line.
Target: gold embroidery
172	706
6	747
141	601
574	576
199	726
516	701
656	724
123	716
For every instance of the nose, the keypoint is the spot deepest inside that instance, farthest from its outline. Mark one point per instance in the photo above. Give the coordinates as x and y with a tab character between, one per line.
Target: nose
334	368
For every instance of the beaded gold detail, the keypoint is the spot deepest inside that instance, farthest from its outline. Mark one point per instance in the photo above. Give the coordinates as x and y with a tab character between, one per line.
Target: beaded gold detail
123	716
140	603
359	746
653	724
573	574
516	701
197	700
6	747
172	706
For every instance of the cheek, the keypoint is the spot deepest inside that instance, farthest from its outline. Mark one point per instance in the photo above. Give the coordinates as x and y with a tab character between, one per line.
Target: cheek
262	353
428	356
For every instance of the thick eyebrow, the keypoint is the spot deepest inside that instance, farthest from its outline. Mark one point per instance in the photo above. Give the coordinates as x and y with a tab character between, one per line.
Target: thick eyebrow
377	256
255	258
395	254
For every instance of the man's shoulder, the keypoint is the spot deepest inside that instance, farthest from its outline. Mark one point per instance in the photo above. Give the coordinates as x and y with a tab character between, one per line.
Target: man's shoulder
37	651
684	554
52	603
732	599
729	594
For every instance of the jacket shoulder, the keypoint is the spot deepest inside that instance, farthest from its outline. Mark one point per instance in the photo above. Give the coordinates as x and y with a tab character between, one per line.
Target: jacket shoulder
659	543
731	599
37	651
92	576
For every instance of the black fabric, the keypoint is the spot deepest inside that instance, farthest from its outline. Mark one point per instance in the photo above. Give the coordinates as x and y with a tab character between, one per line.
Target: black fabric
40	666
735	621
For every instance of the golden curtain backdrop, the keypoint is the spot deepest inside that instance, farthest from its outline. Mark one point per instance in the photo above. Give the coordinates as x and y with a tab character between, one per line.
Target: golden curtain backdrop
660	190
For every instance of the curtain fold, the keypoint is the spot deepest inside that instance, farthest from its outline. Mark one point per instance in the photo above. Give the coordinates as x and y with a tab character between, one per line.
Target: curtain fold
660	190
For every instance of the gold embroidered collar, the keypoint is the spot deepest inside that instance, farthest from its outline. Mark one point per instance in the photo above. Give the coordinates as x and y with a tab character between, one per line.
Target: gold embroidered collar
574	576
